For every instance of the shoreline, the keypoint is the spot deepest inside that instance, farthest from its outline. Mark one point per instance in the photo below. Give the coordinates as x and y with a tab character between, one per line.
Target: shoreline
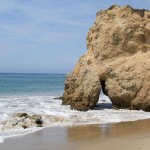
128	134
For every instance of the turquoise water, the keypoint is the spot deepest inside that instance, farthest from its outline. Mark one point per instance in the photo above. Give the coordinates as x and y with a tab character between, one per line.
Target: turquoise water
31	84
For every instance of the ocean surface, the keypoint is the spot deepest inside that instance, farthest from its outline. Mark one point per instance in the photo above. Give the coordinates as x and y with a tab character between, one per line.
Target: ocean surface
35	93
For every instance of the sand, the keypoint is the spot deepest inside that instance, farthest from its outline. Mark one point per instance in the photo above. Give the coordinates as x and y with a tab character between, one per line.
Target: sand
117	136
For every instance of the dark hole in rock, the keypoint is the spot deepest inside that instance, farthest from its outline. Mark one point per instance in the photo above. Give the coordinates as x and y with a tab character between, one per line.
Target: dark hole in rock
104	101
103	86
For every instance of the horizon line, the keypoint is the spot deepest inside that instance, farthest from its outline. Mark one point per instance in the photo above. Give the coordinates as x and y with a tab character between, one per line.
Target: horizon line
31	73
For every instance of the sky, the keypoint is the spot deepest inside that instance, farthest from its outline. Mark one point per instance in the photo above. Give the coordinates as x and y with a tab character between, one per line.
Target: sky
48	36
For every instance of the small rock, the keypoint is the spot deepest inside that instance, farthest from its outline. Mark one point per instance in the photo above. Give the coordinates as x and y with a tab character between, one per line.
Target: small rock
38	120
24	126
22	115
60	97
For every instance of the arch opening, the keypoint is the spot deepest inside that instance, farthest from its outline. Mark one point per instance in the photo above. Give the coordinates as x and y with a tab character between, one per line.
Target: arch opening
104	102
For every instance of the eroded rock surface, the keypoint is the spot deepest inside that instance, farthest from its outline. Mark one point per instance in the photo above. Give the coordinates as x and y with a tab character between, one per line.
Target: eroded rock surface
117	62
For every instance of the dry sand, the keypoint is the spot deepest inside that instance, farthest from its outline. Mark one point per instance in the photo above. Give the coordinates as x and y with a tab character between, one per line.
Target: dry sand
117	136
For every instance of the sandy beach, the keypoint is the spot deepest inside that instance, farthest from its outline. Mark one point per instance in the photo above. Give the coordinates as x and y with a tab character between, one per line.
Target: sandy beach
119	136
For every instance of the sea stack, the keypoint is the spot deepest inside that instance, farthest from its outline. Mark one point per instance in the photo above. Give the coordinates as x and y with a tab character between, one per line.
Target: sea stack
117	61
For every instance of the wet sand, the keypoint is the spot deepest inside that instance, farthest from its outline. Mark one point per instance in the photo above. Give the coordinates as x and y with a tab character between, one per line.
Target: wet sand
118	136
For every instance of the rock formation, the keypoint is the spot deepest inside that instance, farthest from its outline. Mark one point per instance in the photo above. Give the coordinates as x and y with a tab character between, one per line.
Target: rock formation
117	62
22	120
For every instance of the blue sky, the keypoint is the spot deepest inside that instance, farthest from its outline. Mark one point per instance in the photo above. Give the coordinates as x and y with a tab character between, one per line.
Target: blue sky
48	36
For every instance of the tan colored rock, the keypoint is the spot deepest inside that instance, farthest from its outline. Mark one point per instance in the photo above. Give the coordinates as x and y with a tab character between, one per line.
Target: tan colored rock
117	61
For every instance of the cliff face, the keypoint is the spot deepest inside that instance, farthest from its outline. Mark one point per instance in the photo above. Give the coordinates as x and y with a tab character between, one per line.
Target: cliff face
117	62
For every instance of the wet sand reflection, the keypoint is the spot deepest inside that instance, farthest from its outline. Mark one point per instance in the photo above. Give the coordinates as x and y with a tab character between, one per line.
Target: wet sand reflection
92	132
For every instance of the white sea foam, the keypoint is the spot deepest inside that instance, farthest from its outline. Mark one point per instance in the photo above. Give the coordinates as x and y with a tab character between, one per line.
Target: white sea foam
1	140
61	115
18	132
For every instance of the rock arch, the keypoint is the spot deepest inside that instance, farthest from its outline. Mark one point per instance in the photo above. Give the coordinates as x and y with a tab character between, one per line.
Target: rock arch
117	62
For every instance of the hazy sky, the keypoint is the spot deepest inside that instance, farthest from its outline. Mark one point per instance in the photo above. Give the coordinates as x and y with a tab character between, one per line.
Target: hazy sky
48	35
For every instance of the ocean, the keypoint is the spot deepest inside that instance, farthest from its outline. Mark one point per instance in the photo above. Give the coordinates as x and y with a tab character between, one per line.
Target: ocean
34	94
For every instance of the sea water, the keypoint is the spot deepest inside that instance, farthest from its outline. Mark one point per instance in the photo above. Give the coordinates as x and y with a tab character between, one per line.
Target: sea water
35	93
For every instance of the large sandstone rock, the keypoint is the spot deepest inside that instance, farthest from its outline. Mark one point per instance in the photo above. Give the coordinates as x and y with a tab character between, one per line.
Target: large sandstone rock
117	62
